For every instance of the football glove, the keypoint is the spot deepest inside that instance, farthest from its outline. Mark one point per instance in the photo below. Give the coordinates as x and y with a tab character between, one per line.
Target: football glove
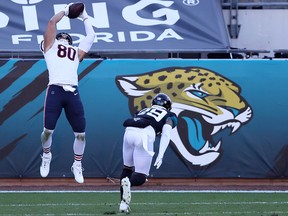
66	9
83	15
158	161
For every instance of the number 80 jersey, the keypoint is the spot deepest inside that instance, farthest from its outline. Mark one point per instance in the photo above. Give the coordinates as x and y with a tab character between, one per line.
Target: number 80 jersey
62	63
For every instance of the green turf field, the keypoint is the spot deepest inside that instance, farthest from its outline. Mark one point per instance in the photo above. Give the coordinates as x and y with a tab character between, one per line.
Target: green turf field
145	203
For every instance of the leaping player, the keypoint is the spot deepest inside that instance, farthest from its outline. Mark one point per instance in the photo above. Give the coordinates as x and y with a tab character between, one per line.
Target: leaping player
62	59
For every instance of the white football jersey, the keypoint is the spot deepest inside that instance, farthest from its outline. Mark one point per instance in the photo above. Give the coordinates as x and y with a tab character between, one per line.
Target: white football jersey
62	63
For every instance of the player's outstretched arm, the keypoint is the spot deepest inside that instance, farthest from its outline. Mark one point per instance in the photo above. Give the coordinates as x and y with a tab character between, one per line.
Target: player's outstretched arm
50	32
164	142
86	44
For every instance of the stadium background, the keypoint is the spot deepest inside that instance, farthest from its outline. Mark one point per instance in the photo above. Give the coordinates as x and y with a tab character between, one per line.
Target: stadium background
247	154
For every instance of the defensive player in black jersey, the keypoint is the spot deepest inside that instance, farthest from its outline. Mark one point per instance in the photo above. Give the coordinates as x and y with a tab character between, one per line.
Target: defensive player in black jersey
138	142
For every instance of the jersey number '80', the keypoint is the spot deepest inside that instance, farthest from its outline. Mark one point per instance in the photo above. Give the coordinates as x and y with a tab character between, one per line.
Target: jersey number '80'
157	114
68	52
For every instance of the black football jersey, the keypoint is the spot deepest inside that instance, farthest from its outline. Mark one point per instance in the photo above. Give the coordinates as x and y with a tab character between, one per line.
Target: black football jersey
156	116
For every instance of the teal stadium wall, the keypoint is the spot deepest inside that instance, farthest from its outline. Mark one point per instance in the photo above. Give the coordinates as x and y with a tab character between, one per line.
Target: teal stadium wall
258	149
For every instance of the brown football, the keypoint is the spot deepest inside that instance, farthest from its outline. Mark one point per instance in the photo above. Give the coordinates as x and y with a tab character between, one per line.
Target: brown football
75	10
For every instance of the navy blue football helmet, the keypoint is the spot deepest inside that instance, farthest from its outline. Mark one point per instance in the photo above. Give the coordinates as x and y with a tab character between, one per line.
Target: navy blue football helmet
65	36
163	100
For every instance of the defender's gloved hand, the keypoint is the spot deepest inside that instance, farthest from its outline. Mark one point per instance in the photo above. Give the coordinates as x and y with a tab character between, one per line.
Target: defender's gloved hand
158	161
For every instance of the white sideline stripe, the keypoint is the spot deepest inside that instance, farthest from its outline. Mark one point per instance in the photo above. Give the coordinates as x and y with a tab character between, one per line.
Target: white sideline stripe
152	203
145	191
180	213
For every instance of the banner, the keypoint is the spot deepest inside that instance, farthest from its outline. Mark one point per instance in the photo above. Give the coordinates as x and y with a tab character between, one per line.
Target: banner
232	117
121	26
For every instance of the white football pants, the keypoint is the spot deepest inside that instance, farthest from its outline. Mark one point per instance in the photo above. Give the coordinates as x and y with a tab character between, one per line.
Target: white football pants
138	148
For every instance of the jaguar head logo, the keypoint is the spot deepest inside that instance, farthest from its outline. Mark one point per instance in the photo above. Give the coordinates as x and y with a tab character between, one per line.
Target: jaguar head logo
205	102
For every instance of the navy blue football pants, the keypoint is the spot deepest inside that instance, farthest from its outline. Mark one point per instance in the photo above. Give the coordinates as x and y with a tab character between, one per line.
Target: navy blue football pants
56	100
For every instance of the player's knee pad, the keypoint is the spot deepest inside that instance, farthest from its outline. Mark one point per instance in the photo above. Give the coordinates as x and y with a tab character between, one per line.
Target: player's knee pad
126	172
80	136
46	134
138	179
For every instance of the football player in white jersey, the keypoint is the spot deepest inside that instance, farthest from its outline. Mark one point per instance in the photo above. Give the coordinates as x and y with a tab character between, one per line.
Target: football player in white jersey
138	141
62	61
